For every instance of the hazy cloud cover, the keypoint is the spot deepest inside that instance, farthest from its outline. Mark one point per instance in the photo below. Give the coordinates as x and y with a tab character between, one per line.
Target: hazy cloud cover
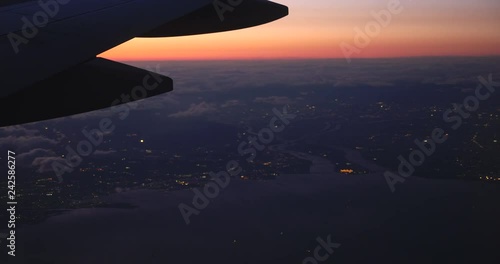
17	131
204	88
104	152
274	100
34	153
206	77
26	143
44	164
196	110
231	103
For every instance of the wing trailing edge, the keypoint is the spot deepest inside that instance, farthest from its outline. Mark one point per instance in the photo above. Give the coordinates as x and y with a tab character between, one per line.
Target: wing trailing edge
96	84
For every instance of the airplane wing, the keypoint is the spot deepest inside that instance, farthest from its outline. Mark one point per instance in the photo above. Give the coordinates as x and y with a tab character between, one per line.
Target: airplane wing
48	49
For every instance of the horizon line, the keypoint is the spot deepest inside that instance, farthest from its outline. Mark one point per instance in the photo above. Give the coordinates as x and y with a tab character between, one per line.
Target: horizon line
313	58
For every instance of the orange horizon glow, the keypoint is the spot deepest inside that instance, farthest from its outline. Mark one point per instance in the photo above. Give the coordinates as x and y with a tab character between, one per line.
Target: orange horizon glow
448	28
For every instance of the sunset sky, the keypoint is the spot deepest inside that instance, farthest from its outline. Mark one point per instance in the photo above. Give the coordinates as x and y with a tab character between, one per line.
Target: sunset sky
315	29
